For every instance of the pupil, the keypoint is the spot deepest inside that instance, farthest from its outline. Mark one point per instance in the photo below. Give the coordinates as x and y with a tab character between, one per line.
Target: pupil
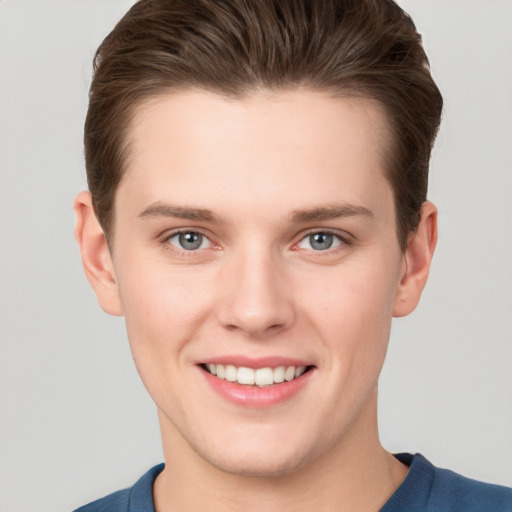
321	241
190	241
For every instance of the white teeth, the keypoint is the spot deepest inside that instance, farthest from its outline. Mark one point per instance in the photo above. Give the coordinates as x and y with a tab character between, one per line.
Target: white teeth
299	371
279	374
221	372
264	377
289	373
231	373
260	377
245	375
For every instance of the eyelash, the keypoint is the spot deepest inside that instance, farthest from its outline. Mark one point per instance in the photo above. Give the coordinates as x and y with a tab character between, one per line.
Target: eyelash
343	241
165	241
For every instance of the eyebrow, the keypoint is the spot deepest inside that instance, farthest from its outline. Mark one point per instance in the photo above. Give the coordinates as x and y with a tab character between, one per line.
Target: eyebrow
159	209
335	211
320	213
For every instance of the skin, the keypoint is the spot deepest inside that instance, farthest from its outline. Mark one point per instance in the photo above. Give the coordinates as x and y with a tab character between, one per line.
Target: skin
256	287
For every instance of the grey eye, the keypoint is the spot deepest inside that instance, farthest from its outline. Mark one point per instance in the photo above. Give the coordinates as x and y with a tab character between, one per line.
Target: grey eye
321	241
189	241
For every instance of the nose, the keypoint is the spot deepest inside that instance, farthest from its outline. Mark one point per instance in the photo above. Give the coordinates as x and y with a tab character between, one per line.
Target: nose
255	298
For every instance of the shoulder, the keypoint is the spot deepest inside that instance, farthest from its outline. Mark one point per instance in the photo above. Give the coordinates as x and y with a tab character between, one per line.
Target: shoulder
431	489
456	492
138	498
115	502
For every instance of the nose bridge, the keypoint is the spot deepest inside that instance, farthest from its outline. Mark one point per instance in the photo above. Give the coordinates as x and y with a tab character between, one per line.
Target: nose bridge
256	298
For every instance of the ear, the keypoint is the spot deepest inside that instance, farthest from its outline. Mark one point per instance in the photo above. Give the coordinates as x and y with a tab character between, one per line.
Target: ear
416	264
96	259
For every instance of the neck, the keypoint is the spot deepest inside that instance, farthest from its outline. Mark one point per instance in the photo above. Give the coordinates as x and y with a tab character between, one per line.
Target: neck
356	475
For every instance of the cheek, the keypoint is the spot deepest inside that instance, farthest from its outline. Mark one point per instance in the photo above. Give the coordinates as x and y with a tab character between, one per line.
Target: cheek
353	314
162	311
162	308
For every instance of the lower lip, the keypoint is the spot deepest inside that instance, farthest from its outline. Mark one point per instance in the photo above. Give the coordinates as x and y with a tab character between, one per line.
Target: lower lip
254	396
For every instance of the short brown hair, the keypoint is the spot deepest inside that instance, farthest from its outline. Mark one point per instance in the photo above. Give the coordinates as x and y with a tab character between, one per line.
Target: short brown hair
364	48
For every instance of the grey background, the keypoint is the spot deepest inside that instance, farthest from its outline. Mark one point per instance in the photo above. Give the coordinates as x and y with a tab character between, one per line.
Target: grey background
75	421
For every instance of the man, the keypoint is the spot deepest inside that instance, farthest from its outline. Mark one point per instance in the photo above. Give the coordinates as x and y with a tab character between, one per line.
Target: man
258	213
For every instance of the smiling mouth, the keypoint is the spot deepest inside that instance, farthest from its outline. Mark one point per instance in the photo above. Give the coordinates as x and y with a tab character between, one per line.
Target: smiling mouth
261	377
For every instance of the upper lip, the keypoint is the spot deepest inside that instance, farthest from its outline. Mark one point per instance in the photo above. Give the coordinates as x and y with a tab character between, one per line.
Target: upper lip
256	362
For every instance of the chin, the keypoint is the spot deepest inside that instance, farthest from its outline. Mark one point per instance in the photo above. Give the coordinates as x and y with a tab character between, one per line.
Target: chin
254	460
241	465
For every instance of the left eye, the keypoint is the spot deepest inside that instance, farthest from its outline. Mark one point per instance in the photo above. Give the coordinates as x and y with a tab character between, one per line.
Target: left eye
320	241
189	240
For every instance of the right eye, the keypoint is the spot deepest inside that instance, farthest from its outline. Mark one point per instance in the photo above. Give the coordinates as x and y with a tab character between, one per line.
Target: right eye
189	241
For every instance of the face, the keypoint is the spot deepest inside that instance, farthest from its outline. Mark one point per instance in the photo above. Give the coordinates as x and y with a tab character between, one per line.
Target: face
255	239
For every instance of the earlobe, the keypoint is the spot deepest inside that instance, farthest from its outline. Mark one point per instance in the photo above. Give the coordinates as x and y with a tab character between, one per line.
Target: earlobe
96	258
417	258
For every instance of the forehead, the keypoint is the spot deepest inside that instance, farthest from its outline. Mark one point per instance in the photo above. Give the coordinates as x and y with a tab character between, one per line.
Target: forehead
271	147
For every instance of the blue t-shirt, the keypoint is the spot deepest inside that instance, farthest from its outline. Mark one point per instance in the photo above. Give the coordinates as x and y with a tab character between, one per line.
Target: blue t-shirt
425	489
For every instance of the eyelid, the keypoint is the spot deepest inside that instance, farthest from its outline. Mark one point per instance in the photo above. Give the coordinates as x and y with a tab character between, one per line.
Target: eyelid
167	235
204	240
344	238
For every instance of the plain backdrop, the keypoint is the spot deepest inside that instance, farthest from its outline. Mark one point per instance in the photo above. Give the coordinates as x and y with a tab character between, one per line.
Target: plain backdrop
75	421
